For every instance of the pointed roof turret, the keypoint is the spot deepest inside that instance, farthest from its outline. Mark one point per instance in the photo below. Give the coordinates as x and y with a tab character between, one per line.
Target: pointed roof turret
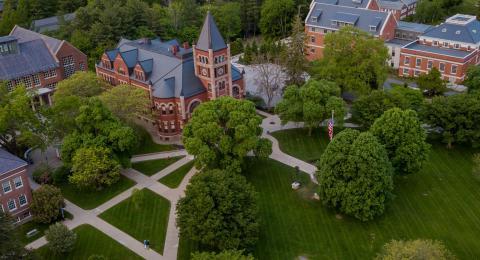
210	37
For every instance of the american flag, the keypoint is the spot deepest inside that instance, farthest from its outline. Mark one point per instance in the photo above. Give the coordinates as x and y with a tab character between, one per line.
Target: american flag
330	128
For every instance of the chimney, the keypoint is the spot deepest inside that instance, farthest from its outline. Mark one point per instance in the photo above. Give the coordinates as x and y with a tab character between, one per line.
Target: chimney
145	41
186	45
174	49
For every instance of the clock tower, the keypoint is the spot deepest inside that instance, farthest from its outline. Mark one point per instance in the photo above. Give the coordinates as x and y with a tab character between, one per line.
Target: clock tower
212	60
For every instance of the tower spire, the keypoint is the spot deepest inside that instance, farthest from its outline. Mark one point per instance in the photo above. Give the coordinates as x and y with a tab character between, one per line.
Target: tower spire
210	37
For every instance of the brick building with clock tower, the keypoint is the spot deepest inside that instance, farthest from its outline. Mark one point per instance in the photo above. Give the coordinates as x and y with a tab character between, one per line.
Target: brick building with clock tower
177	77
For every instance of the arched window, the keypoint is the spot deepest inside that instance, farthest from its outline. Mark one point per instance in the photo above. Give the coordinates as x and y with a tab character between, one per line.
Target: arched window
164	109
193	105
170	108
236	91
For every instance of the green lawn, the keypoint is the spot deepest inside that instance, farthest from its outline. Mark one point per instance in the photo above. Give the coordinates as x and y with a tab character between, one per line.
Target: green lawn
154	166
174	179
24	228
297	143
147	220
440	202
91	241
91	199
147	145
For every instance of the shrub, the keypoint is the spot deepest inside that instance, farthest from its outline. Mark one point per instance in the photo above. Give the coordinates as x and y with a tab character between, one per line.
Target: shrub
415	249
43	174
46	203
60	175
60	239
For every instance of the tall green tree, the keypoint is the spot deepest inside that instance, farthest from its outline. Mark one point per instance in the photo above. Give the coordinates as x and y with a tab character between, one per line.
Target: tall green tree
355	175
429	12
312	103
60	239
368	108
456	117
402	134
432	83
294	55
94	168
472	81
8	17
221	133
126	101
220	211
250	16
276	17
415	249
20	126
46	204
354	59
10	246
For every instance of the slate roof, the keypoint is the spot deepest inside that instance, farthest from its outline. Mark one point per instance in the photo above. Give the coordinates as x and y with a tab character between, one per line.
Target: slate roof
437	50
9	162
467	33
391	4
33	57
361	18
348	3
210	37
50	23
24	35
413	27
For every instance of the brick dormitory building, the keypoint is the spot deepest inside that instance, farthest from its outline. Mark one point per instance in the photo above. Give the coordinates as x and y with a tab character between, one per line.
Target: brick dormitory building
414	48
177	77
37	61
15	194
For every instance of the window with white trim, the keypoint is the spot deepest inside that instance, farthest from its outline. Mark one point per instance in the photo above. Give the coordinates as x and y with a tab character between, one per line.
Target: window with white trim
27	81
18	182
407	60
442	67
456	46
68	66
6	187
445	44
417	73
12	205
405	71
22	199
454	69
418	62
49	74
430	64
435	43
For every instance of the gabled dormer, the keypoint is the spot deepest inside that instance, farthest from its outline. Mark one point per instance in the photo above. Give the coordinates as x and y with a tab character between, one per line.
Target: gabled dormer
8	45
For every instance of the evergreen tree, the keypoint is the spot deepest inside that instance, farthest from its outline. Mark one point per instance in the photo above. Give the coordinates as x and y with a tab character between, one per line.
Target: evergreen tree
294	55
7	20
250	16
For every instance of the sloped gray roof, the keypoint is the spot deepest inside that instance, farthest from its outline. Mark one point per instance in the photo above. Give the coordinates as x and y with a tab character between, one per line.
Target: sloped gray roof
349	3
24	35
210	37
50	23
9	162
442	51
32	57
391	4
469	33
413	27
360	18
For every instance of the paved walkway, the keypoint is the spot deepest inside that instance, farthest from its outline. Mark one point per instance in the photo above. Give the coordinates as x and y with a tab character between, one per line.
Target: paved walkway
90	217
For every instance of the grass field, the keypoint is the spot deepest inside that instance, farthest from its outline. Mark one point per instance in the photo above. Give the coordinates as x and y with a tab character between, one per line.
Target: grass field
440	202
174	179
91	241
146	220
154	166
297	143
147	145
24	228
91	199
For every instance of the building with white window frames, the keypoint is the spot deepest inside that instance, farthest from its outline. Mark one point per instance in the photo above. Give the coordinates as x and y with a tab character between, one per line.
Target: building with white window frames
15	193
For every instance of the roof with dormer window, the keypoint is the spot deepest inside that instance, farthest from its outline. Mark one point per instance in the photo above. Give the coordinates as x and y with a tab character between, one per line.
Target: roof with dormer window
459	28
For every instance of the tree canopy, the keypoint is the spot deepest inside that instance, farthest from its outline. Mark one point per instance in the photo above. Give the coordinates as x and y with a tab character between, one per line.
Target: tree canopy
126	101
224	255
355	175
432	83
276	17
60	239
46	204
220	211
415	249
404	138
10	246
472	81
456	117
312	103
294	59
221	132
354	59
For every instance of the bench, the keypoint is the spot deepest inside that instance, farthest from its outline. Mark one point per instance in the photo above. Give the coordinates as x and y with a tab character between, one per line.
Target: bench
32	232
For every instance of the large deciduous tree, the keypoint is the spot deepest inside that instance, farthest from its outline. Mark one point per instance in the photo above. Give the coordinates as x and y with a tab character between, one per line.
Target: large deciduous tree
270	76
456	117
432	83
311	103
355	175
20	126
294	58
402	134
126	101
415	249
276	17
221	133
354	59
46	203
10	246
472	81
368	108
94	168
219	210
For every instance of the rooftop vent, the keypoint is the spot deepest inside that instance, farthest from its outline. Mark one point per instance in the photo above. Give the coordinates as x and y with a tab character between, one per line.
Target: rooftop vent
457	32
357	1
444	30
474	31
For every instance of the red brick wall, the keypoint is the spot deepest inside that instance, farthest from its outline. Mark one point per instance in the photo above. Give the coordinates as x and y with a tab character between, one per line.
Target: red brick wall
66	49
315	41
15	193
373	5
388	32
